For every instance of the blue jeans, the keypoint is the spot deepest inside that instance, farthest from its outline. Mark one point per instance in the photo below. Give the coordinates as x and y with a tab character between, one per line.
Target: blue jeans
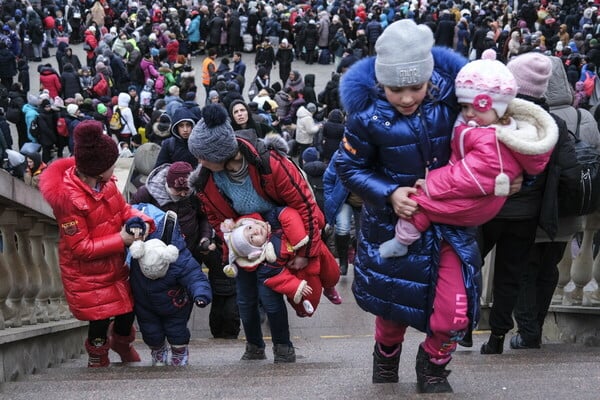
251	290
343	219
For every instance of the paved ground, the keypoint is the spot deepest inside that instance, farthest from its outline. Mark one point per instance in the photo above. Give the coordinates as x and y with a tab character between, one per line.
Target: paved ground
334	362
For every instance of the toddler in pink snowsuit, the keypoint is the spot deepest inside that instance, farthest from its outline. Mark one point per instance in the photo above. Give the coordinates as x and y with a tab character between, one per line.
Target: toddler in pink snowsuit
496	138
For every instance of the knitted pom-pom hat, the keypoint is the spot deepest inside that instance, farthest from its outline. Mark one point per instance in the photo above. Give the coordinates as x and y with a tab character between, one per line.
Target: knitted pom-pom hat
486	84
94	151
213	138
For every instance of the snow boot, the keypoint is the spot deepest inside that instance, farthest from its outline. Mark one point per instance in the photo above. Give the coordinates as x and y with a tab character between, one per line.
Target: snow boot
431	377
98	355
123	345
385	366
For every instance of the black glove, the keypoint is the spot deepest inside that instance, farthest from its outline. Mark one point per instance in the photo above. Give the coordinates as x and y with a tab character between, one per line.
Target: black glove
134	224
201	303
204	243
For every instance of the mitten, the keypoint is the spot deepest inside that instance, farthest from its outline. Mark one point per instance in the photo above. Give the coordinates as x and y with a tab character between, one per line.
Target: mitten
135	226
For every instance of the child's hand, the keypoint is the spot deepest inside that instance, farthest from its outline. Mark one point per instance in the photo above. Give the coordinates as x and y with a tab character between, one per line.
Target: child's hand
403	206
227	225
127	237
200	303
137	227
207	245
420	183
307	291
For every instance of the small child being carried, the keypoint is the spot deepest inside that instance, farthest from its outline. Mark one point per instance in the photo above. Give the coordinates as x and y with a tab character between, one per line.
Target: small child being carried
495	139
267	243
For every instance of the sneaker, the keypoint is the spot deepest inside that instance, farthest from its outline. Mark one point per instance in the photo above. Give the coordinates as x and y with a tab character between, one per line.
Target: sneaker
284	353
160	356
179	356
332	295
518	343
253	352
385	366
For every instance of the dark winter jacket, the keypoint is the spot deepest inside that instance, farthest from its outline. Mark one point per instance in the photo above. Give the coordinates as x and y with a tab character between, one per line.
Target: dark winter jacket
333	131
47	124
175	148
385	150
171	297
8	63
70	82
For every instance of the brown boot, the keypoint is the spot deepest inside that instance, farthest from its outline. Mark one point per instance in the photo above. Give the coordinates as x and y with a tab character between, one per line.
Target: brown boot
98	355
123	345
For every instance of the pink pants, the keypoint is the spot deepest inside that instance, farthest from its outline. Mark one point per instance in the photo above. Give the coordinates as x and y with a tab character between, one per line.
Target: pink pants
448	321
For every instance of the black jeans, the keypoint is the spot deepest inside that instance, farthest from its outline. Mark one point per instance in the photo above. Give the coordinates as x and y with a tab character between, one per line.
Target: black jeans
538	282
513	240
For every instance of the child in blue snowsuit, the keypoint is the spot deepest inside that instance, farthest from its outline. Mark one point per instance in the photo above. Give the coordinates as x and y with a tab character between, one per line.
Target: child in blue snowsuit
165	281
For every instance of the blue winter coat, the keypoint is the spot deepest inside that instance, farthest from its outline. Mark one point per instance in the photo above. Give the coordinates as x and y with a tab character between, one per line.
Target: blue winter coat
193	30
383	150
163	306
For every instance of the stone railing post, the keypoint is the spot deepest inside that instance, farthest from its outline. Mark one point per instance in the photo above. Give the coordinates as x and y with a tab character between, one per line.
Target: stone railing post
37	252
32	286
564	274
14	300
581	270
56	292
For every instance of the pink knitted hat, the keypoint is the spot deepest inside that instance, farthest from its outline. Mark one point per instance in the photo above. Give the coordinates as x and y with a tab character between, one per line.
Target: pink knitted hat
532	72
487	84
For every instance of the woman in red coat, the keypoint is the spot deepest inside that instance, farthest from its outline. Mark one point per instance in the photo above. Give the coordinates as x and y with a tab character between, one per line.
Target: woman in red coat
91	212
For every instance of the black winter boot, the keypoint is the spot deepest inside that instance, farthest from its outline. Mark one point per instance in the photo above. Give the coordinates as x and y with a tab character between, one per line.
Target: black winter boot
431	377
341	245
385	368
494	345
467	340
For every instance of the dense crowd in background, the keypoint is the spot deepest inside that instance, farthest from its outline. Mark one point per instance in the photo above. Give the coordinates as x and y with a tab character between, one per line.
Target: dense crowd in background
138	58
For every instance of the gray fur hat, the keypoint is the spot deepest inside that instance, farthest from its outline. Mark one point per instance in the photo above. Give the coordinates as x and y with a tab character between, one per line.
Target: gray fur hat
212	138
404	54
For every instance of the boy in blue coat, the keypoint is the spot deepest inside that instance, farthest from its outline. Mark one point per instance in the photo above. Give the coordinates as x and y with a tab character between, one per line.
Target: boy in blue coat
165	281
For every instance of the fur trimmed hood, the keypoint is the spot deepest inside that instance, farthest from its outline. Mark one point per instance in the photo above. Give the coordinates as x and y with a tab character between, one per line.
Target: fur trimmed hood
536	133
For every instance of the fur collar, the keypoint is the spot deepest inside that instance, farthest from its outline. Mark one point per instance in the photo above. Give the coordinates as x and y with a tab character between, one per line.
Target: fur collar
536	131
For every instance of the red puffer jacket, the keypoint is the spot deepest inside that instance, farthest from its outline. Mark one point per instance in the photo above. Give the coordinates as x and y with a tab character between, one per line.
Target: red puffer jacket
91	251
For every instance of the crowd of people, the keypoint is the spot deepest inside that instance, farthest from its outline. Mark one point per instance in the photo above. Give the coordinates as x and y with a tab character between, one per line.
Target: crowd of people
428	146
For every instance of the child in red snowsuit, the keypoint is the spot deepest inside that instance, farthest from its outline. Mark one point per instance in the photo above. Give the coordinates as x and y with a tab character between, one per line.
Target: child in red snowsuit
266	243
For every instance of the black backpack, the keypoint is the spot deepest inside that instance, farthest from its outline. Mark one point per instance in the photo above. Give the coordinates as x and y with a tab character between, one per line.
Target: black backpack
579	179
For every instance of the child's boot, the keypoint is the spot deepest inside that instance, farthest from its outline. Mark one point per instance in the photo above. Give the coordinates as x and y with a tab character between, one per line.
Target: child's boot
123	345
432	377
385	364
179	355
98	354
332	295
160	355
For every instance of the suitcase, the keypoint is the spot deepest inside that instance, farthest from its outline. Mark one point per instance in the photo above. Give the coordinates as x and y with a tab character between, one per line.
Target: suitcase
324	57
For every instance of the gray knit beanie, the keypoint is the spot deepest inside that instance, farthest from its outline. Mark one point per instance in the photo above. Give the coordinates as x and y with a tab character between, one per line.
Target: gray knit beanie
212	138
404	54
